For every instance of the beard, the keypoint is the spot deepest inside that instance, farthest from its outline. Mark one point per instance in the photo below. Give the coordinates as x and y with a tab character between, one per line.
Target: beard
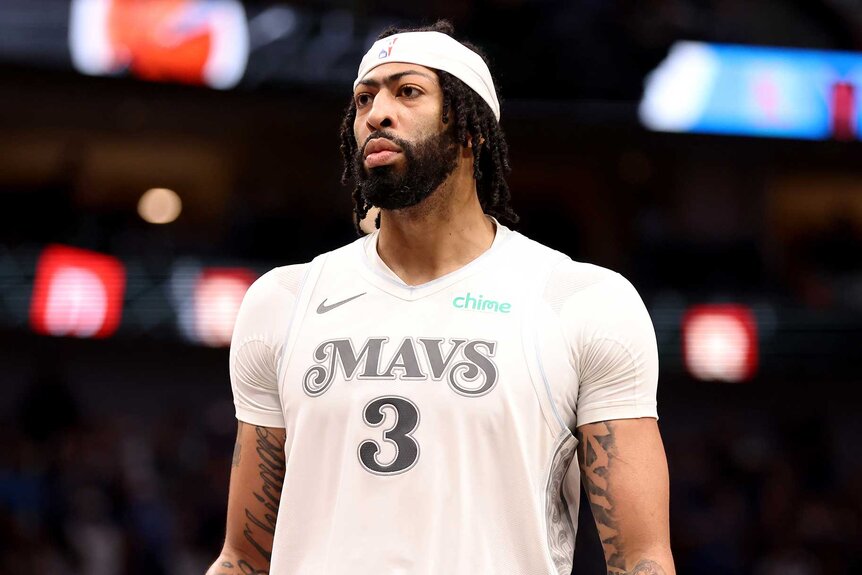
426	166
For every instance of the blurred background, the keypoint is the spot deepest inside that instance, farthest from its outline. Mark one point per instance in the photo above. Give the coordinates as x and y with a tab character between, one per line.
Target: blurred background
157	156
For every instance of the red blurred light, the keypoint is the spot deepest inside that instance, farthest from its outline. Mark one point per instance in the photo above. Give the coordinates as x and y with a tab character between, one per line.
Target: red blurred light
844	111
190	41
720	342
77	293
218	295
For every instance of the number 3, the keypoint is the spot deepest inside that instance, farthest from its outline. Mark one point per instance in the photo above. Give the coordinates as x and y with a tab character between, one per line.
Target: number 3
406	448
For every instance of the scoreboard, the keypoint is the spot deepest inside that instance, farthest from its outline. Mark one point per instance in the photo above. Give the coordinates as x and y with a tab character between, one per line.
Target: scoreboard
755	91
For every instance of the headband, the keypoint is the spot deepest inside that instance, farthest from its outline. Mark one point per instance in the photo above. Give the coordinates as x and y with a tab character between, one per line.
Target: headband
434	50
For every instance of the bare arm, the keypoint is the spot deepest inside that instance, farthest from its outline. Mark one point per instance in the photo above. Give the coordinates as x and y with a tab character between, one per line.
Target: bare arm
626	479
257	475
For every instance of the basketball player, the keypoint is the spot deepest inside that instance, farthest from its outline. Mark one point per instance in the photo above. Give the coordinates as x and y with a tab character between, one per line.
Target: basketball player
412	403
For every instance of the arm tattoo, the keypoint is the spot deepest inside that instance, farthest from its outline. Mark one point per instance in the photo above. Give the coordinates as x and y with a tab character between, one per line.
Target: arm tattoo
647	567
270	449
596	452
237	448
242	567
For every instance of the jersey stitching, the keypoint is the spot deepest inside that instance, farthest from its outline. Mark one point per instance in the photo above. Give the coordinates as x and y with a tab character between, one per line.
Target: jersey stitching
282	360
256	339
638	379
538	352
246	407
414	293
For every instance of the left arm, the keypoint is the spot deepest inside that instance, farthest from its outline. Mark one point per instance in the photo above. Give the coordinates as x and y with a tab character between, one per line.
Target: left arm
625	475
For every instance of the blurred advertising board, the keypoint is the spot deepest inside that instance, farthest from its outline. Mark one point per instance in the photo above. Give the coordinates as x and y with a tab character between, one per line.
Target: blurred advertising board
220	44
77	293
188	41
755	91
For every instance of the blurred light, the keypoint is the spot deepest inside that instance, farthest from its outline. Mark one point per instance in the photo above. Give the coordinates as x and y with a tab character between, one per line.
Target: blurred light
678	90
720	342
755	91
217	297
189	41
77	293
159	206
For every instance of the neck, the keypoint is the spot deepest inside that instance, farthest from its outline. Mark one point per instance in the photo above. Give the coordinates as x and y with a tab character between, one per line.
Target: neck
445	232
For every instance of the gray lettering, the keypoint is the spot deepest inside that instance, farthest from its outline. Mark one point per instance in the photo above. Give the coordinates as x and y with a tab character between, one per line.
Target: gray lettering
400	435
372	363
405	360
433	350
476	375
469	371
337	352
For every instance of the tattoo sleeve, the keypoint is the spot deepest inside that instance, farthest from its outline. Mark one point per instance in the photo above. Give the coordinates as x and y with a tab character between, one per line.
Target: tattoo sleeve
237	448
597	455
647	567
260	522
239	567
257	478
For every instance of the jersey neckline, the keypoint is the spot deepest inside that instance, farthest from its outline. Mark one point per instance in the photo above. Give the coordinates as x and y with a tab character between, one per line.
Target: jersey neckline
375	270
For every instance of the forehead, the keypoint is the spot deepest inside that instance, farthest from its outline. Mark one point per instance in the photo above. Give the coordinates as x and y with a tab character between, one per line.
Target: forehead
396	70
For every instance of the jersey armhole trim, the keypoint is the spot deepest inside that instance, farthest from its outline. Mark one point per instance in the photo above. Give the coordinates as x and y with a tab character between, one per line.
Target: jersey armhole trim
303	294
546	274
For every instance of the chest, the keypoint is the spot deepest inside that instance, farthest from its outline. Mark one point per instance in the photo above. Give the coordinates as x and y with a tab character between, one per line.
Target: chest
461	346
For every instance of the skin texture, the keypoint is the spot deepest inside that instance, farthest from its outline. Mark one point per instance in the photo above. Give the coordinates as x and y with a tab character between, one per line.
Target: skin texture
257	475
624	471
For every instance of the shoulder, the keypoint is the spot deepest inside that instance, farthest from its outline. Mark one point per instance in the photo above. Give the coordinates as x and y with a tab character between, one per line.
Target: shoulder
591	291
268	304
277	285
274	293
583	294
346	255
595	302
531	250
567	277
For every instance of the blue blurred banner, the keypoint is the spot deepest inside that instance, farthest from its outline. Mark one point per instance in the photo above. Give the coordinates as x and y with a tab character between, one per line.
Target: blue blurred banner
755	91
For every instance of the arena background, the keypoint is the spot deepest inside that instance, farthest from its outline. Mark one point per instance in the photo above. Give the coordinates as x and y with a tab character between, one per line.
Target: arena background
737	214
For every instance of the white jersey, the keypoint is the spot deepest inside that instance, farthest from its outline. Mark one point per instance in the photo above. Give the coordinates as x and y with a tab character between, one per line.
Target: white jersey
428	427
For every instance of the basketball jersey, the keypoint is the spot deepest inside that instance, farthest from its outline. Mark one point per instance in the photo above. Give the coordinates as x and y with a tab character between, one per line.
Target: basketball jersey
428	428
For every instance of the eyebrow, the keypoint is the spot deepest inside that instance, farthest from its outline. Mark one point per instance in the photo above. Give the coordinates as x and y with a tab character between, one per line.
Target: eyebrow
394	78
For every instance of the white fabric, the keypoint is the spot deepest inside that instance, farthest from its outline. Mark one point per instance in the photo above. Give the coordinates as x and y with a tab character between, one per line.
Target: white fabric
433	50
257	345
486	491
379	266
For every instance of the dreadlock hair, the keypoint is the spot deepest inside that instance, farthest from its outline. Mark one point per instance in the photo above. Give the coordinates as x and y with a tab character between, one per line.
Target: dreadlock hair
472	119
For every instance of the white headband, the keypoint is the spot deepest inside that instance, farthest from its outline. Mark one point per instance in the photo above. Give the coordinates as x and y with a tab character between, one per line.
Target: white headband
434	50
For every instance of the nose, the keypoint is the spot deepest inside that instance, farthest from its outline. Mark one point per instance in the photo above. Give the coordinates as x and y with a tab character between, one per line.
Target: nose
382	114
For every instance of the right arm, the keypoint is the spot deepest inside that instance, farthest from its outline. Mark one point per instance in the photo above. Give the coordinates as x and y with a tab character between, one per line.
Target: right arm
257	476
257	471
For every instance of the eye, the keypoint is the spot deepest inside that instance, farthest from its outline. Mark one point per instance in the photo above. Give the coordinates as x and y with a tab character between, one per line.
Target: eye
410	92
362	99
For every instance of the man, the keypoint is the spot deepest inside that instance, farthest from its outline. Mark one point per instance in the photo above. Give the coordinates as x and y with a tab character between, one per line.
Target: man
412	402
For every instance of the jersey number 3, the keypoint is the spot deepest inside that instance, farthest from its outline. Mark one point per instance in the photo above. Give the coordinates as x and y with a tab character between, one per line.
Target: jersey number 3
406	448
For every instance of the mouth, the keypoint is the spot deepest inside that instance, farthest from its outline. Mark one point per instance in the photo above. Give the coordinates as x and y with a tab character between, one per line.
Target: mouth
380	152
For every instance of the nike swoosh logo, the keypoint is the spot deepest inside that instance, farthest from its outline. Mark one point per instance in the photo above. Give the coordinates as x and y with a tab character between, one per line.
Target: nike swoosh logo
323	308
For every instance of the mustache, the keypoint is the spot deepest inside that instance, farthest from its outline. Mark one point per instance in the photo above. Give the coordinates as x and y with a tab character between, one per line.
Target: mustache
403	144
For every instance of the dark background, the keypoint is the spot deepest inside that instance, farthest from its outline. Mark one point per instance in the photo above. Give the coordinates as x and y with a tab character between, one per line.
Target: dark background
116	453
